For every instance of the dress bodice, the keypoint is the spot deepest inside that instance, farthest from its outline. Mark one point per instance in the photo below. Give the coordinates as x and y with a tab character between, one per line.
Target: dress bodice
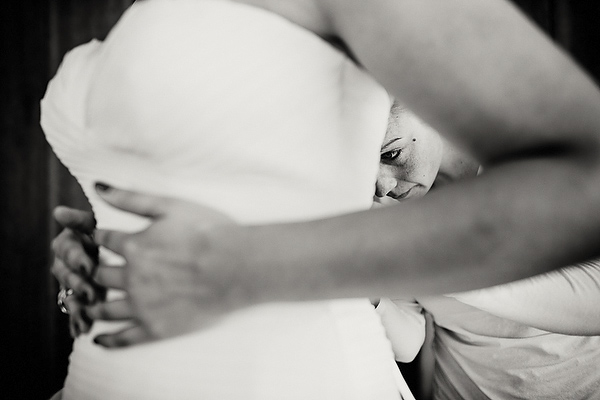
235	108
236	123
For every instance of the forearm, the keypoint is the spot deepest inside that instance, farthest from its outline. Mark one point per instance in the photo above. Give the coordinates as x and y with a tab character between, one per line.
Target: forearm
476	71
480	73
516	221
564	301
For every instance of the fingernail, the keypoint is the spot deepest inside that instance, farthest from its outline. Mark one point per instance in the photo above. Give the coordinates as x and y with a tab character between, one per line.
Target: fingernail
102	187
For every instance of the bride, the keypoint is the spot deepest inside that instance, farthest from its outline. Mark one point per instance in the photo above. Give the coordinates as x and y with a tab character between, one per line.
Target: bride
226	105
233	107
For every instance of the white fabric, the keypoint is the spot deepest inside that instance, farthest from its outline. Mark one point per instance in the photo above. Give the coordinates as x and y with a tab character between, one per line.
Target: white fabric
563	301
236	108
486	345
404	325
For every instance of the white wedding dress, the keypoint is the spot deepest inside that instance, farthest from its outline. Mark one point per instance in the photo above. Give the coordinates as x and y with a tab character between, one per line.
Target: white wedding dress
236	108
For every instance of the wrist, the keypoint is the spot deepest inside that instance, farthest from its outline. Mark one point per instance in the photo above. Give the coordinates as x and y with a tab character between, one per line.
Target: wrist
229	250
296	261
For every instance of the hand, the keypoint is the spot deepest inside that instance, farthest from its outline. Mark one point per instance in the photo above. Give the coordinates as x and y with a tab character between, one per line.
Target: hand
173	285
75	258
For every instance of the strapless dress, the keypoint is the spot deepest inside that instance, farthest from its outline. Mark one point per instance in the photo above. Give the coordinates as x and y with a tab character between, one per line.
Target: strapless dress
236	108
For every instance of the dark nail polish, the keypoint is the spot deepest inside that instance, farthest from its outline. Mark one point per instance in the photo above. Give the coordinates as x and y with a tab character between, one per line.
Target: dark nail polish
102	187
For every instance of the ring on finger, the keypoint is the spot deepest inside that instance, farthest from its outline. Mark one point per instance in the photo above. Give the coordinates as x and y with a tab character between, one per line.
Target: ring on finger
63	293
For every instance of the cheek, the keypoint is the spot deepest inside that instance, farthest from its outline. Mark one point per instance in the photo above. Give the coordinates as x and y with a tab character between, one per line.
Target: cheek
410	168
387	173
422	167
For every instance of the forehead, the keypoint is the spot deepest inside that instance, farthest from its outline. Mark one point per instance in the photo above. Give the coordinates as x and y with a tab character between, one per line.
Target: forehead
404	124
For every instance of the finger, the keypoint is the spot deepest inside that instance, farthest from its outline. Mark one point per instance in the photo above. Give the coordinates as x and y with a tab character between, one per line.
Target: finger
116	310
79	322
110	277
112	240
126	337
73	304
69	246
78	260
90	247
73	329
137	203
60	271
79	220
72	280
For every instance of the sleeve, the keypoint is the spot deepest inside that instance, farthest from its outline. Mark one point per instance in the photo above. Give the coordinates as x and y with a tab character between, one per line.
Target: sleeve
564	301
404	325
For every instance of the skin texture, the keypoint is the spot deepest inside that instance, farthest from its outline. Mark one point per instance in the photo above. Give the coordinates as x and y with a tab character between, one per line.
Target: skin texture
415	158
410	159
485	78
563	301
412	154
75	250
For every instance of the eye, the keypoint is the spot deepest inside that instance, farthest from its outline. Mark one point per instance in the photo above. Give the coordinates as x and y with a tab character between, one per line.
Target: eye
391	155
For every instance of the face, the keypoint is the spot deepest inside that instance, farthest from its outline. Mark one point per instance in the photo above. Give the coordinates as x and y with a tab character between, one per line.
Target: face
410	156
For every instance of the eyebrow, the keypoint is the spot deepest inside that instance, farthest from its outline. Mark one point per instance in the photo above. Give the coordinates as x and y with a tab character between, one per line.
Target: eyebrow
390	142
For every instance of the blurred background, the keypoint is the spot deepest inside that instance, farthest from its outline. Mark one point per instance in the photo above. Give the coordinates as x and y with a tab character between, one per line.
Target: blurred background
34	338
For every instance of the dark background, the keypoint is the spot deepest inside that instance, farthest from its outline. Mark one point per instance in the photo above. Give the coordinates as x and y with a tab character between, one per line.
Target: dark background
34	339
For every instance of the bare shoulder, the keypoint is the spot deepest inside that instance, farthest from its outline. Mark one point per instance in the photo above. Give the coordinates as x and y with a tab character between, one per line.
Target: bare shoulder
310	14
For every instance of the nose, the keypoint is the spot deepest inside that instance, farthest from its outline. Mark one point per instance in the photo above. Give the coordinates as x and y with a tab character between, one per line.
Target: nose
384	185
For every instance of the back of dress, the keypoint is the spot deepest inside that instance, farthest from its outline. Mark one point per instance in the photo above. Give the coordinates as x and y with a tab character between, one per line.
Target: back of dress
236	108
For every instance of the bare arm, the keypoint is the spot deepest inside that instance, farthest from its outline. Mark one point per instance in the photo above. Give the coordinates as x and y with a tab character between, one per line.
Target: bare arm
482	75
564	301
479	73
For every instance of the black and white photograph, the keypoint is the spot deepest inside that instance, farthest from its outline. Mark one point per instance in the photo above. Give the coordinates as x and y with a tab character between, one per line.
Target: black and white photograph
300	199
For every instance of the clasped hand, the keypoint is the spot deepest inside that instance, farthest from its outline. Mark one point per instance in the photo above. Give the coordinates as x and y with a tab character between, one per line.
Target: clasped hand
177	277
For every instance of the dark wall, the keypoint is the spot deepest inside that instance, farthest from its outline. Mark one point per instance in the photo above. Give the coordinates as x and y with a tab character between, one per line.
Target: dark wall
34	339
34	342
24	234
571	23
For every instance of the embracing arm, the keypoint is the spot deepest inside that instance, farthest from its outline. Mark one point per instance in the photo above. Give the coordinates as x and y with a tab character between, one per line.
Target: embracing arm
481	74
563	301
